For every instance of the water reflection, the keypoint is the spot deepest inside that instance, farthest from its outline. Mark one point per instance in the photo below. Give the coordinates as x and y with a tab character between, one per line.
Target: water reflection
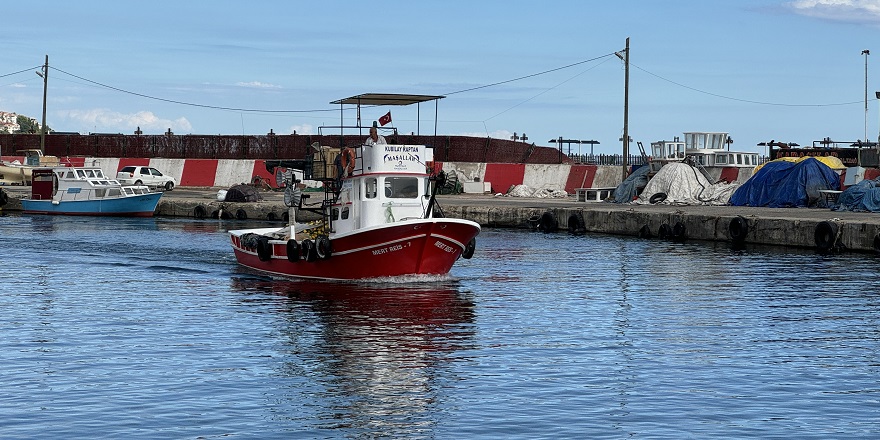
378	355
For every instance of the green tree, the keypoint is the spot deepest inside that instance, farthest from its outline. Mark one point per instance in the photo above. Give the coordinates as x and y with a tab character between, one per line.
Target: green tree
29	125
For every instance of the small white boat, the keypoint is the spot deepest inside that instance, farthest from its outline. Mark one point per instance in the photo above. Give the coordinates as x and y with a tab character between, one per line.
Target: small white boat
86	191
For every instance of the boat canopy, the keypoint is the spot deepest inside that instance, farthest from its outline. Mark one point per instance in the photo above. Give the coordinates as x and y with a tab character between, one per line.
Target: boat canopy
386	99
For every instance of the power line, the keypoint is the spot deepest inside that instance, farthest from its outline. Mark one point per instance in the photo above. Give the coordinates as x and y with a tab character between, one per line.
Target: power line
528	76
190	103
740	99
20	71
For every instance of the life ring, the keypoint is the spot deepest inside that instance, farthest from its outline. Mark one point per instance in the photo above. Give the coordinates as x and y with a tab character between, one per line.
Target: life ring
738	229
657	198
199	212
264	249
665	231
323	248
645	232
293	251
679	232
826	235
241	214
469	249
576	224
548	222
309	252
347	158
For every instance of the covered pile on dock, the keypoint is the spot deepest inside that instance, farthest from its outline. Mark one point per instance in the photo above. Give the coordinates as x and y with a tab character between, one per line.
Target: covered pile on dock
782	184
682	184
632	186
243	193
861	197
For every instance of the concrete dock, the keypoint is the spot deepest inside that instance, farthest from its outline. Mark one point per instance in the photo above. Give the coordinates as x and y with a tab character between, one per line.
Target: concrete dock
798	227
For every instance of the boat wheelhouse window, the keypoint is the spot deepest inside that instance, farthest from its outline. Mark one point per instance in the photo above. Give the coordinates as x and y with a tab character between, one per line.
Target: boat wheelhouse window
334	214
720	159
99	174
100	193
81	174
113	192
346	212
371	187
739	159
70	175
401	187
716	141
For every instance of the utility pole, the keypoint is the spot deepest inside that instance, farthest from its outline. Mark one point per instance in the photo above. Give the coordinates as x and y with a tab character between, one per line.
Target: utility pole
45	76
866	52
626	111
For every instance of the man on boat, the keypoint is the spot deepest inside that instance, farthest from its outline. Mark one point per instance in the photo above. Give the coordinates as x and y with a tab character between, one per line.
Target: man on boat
375	138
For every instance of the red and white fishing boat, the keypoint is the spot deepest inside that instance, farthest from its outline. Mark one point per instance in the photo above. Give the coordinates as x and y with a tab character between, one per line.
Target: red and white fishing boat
378	220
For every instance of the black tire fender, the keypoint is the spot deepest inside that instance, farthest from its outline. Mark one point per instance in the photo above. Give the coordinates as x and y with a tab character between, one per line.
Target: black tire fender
264	249
576	225
241	214
665	232
309	253
323	247
548	222
657	198
645	232
293	251
826	235
200	212
469	249
679	232
738	229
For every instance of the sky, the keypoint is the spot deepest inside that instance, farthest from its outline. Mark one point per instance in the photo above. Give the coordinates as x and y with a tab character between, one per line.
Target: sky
761	70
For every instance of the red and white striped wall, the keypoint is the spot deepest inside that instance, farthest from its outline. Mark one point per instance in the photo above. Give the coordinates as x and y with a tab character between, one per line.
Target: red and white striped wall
228	172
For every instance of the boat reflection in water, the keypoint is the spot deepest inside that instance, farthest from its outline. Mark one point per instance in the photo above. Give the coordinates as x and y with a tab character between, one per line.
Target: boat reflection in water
385	351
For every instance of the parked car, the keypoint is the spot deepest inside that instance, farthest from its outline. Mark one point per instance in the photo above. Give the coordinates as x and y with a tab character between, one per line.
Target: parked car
149	176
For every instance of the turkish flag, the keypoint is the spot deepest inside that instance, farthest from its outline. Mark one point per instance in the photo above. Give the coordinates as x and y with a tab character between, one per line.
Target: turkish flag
386	118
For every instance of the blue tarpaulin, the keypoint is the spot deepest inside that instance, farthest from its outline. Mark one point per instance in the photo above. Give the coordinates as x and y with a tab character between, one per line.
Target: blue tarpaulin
781	184
863	196
630	188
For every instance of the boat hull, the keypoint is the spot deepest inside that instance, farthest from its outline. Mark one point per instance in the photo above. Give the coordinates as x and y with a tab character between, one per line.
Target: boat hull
413	247
143	205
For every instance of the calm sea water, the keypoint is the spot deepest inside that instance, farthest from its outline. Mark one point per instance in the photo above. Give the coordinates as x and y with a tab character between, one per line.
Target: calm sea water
147	328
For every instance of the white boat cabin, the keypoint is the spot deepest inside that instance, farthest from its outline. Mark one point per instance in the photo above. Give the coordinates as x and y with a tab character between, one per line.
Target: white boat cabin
78	183
390	184
709	149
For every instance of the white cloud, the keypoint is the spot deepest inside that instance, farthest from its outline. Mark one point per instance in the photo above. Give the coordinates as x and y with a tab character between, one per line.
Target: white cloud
257	85
853	11
104	120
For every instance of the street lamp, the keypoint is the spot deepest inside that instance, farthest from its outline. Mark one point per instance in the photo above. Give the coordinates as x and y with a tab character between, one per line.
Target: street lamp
877	94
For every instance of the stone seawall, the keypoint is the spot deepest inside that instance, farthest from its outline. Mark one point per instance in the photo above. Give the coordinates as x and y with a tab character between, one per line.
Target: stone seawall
794	227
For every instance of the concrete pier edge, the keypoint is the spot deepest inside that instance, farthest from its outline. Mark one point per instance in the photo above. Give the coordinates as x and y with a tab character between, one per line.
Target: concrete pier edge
793	227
